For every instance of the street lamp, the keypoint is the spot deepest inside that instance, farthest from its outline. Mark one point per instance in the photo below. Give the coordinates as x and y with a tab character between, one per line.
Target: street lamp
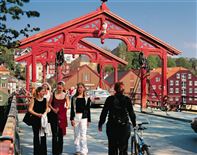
59	62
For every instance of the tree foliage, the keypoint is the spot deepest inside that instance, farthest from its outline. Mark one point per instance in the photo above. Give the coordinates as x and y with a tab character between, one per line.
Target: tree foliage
12	10
153	61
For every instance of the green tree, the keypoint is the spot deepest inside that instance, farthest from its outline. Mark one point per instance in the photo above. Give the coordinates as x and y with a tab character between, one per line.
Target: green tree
20	72
12	10
131	57
171	62
154	61
183	62
7	58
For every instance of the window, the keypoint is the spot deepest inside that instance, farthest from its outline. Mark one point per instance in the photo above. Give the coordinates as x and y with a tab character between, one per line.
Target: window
195	98
85	77
3	85
177	83
184	99
171	82
177	90
171	99
190	99
190	90
195	90
183	92
177	99
1	98
178	76
183	76
184	84
189	76
190	83
171	90
195	83
157	79
154	87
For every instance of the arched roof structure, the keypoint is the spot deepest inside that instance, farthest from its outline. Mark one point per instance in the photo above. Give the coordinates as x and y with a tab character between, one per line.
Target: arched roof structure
103	24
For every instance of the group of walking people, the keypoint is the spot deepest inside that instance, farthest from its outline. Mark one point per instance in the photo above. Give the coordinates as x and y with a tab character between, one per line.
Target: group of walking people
52	107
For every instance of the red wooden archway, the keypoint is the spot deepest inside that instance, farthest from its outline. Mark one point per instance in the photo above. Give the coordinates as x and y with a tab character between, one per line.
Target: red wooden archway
95	53
103	24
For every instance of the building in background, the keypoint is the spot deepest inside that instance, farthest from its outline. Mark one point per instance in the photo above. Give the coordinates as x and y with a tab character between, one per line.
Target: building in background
86	75
3	90
129	78
4	70
181	86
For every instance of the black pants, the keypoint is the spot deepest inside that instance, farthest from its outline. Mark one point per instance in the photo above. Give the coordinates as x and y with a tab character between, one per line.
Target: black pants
40	146
57	138
118	137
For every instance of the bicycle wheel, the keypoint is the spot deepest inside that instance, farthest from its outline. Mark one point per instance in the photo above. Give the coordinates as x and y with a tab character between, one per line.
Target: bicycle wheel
145	150
134	146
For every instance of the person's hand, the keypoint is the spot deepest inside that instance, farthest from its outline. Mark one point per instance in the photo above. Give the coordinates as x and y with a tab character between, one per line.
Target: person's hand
39	115
100	129
135	127
73	123
56	110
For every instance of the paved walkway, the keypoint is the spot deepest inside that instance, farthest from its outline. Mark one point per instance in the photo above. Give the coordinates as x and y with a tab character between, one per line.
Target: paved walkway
95	146
97	142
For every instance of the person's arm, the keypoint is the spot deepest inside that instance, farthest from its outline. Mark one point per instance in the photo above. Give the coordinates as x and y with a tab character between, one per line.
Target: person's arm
131	111
50	104
104	113
30	109
88	110
47	107
72	113
67	102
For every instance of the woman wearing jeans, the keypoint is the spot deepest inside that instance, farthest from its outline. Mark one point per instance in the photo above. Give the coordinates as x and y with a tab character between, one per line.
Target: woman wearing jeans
80	119
38	107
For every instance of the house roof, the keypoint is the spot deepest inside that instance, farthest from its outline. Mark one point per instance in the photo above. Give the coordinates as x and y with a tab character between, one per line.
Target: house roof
170	71
3	69
103	10
68	76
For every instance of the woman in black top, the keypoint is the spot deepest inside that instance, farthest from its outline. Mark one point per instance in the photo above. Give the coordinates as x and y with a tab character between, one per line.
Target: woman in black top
80	119
119	109
38	107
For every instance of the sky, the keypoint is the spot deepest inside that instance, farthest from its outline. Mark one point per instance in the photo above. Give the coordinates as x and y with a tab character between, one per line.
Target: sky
172	21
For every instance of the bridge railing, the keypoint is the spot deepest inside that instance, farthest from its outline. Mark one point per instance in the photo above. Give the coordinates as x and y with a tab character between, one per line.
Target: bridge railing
9	141
171	102
23	98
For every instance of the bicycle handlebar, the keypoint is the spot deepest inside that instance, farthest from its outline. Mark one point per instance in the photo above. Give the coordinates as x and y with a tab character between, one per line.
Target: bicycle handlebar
142	123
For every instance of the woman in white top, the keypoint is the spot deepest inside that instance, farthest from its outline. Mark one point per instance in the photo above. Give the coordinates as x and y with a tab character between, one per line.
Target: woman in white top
47	89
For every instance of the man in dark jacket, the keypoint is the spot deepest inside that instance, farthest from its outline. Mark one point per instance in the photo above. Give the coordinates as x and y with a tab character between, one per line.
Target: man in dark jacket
119	109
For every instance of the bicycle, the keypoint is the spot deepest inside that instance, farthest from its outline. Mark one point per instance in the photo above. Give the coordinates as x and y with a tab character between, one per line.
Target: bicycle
138	146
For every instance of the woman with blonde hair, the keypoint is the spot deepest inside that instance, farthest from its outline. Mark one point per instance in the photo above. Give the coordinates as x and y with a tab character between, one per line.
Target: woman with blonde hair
80	119
38	108
47	89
